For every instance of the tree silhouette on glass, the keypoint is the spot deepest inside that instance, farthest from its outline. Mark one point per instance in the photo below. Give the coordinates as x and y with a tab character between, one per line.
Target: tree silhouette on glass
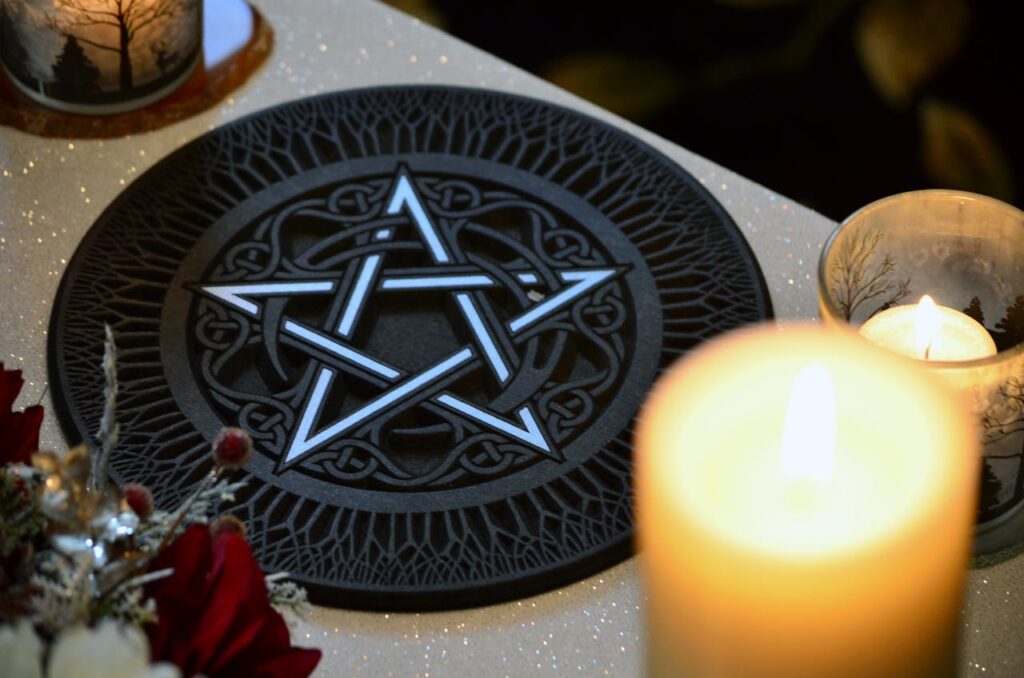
988	495
858	277
14	54
123	20
1010	330
974	311
74	74
1004	420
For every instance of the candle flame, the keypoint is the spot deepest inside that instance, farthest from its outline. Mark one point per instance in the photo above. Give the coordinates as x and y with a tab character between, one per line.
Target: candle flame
809	433
927	323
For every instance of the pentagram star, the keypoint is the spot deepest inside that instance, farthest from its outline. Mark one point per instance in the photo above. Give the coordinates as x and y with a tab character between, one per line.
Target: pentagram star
405	390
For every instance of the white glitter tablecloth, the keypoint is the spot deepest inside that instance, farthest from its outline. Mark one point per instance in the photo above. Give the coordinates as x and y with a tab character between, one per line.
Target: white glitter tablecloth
51	191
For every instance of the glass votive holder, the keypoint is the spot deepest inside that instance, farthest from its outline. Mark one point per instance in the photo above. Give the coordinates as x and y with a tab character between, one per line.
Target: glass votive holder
99	56
966	252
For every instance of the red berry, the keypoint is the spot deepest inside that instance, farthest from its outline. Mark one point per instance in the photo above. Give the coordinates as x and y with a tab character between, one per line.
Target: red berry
139	499
228	524
232	448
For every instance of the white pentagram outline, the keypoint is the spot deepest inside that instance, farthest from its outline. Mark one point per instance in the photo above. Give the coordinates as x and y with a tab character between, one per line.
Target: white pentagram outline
408	389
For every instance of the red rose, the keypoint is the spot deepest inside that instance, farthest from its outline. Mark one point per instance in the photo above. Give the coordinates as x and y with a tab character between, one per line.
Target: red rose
19	431
214	616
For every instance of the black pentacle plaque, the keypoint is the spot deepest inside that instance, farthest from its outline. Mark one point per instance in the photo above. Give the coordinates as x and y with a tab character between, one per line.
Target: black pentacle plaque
436	310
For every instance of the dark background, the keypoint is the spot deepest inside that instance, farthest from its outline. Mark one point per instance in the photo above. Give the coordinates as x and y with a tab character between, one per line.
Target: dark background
833	102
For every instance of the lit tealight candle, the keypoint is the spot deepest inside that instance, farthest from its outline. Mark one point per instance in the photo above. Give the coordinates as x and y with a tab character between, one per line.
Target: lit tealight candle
100	56
821	534
930	332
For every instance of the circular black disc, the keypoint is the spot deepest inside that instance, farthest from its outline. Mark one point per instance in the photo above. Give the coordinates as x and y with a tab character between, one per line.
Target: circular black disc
437	310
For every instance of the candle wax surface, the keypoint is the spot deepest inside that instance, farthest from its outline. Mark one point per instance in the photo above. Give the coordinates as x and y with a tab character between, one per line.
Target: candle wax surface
731	480
959	337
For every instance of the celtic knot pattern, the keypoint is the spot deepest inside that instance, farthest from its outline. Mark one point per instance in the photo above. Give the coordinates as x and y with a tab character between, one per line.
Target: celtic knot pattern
590	261
499	232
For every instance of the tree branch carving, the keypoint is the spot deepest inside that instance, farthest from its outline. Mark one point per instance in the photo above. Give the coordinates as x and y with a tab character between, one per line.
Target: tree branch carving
856	280
124	19
997	427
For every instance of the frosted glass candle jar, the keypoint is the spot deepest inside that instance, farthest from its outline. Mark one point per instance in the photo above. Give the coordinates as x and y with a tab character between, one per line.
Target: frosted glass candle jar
99	56
966	252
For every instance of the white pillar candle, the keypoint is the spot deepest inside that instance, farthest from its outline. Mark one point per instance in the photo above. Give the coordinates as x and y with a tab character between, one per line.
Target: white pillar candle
805	505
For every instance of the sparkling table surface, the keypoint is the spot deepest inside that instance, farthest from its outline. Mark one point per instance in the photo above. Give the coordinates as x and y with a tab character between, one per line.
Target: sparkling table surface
52	190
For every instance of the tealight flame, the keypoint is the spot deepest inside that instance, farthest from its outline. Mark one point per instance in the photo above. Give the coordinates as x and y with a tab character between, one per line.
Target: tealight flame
809	434
927	323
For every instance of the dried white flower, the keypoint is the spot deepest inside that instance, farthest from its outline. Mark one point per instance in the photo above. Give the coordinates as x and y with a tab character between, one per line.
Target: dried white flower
21	652
111	650
287	597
